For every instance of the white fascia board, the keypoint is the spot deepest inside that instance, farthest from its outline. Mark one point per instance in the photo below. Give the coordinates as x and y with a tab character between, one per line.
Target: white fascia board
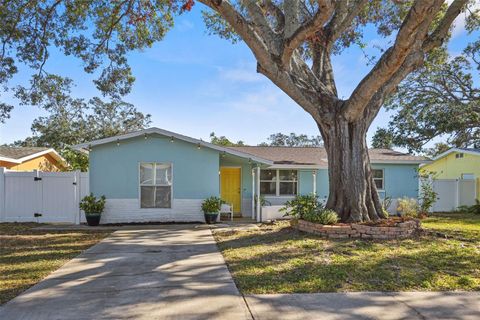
51	151
297	166
446	153
9	160
84	146
400	162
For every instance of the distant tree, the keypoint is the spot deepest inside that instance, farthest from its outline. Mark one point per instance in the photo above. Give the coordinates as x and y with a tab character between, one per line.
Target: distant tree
224	141
437	149
383	139
293	140
440	99
72	121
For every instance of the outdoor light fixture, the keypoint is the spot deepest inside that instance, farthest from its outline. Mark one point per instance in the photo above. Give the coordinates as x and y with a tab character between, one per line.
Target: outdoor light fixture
89	147
118	142
145	135
198	146
223	154
171	139
250	160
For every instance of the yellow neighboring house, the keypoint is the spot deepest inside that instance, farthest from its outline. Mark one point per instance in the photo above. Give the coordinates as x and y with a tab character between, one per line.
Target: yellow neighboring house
457	163
31	158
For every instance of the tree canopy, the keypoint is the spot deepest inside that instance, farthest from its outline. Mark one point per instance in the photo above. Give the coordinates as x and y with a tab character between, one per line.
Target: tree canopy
441	99
292	140
72	121
224	141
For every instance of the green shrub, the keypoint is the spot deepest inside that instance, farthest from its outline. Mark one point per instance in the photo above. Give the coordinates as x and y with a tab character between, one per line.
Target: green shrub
428	196
322	216
386	202
91	206
212	205
301	205
408	207
475	209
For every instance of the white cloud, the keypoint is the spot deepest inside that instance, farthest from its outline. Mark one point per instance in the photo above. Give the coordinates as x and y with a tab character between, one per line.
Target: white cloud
242	73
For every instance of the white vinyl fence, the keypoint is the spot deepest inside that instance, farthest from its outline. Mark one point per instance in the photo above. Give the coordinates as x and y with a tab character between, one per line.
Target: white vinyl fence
452	193
41	196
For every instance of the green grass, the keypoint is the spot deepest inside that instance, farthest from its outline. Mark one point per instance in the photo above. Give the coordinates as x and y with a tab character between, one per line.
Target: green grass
279	259
27	255
455	224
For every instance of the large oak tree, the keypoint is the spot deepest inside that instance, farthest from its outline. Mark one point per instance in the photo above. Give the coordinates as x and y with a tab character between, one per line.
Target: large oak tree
293	42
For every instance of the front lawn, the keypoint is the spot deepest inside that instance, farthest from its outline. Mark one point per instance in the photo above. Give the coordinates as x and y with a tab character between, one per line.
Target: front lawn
455	224
280	259
27	255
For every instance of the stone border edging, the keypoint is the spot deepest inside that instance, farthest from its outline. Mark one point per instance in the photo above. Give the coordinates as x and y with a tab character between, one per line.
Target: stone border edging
400	230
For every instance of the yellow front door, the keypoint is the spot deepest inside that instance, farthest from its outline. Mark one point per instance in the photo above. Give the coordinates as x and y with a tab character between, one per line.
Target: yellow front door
230	187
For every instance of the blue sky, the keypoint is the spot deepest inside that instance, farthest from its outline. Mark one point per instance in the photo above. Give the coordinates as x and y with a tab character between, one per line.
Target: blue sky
193	84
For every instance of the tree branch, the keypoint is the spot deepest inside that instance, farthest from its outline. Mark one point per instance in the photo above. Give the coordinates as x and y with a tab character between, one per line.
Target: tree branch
307	30
275	11
410	35
291	8
261	25
242	27
345	12
441	32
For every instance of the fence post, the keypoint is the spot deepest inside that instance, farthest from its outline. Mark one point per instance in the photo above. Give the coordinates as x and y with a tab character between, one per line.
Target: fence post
78	188
2	194
457	193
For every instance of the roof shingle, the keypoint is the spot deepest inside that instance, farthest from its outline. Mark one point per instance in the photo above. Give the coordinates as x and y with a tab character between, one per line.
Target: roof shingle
19	152
318	156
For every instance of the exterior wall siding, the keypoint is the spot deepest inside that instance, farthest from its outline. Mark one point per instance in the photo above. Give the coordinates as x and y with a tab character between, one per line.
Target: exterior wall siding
400	180
114	170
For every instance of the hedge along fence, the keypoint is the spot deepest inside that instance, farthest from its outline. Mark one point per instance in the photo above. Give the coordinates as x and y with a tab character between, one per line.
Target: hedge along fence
399	230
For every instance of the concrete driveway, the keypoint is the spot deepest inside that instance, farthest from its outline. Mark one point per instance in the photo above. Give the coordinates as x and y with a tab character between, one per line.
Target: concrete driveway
171	272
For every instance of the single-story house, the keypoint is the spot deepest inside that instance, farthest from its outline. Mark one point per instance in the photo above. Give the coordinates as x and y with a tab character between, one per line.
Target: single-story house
457	163
31	158
157	175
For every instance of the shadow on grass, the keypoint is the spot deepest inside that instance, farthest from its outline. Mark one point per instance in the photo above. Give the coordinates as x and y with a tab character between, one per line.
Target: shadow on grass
288	261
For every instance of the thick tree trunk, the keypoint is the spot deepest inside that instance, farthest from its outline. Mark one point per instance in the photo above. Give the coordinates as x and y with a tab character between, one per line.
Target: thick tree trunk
352	192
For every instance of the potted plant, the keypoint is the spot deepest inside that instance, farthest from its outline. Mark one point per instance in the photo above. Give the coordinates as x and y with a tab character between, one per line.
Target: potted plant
93	208
211	208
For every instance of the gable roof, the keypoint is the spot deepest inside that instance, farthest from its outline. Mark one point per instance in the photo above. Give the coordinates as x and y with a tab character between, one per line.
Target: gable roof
85	146
316	156
22	154
460	150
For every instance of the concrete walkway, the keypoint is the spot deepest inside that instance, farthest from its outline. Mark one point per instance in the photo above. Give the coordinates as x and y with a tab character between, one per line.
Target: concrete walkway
170	272
366	305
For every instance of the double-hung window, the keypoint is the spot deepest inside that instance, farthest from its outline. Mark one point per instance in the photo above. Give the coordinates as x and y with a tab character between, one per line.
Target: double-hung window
378	178
268	182
278	182
155	185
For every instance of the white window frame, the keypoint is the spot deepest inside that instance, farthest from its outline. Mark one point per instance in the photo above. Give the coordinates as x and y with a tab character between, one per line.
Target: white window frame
275	180
278	181
154	185
382	178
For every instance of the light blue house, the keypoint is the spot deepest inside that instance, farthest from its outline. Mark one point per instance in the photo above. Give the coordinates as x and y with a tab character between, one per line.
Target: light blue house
157	175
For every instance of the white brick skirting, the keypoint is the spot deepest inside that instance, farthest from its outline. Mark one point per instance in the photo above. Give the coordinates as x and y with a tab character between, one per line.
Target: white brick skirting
128	210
